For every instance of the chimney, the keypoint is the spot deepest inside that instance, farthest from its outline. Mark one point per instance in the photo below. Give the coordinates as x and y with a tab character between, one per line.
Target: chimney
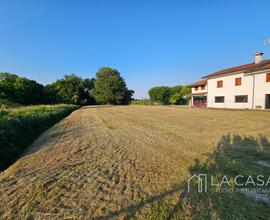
258	57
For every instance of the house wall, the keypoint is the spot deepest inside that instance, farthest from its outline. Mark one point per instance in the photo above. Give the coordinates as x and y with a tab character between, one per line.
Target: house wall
199	91
261	89
230	90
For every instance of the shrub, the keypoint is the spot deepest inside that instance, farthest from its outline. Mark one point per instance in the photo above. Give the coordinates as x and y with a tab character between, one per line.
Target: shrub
176	95
20	126
4	103
142	102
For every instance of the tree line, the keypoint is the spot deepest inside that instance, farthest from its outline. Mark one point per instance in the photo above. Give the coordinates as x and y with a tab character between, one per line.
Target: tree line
176	95
108	87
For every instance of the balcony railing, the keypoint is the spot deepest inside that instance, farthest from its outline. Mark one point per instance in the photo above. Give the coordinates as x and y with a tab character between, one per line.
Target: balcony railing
199	104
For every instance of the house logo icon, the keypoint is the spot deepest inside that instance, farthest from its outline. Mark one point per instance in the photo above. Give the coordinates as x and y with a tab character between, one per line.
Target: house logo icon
200	180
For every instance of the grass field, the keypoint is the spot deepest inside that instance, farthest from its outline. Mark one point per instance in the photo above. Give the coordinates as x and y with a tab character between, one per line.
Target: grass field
133	162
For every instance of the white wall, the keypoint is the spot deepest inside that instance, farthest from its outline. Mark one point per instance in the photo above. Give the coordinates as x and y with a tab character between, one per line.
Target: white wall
229	91
200	90
261	89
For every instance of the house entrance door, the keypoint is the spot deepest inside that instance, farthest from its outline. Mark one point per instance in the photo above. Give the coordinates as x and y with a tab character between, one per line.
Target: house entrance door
267	101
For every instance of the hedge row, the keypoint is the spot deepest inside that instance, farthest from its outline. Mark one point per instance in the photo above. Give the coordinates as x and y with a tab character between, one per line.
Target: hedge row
19	127
142	102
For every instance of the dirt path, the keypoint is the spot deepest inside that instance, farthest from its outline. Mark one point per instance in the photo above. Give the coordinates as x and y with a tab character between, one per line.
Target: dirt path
103	161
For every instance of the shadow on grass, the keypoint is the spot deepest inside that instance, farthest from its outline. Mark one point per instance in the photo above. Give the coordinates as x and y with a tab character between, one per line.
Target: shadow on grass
233	155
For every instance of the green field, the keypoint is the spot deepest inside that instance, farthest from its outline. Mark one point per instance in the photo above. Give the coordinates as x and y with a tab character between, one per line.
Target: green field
19	126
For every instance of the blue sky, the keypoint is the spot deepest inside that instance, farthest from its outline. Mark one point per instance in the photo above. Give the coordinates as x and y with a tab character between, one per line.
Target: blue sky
150	42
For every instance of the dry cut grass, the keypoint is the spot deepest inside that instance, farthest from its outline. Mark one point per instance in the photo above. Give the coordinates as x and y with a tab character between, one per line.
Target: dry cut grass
134	161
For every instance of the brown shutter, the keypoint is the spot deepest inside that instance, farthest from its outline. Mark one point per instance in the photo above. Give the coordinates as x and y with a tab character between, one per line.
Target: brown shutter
267	77
238	81
220	84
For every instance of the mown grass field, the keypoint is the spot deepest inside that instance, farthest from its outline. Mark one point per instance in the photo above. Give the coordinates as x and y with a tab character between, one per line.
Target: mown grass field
133	162
19	126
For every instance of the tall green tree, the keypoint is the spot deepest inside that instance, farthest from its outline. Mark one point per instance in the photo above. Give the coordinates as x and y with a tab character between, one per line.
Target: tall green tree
7	81
28	91
160	94
50	94
20	90
68	89
110	87
88	91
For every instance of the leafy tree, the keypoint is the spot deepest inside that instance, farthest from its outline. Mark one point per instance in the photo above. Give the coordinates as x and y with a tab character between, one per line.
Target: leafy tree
169	95
88	94
28	91
89	84
127	97
178	95
71	89
7	81
110	87
50	94
68	89
175	98
160	94
20	90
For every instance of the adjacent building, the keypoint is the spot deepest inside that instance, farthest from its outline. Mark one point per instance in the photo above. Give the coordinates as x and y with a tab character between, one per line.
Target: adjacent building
241	87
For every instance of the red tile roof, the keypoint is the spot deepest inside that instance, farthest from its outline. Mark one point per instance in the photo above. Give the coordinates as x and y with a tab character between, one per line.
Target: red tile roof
198	83
265	64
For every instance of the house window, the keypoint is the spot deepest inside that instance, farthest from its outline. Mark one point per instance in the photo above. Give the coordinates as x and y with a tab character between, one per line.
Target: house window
219	99
267	77
196	88
202	87
238	81
241	99
220	84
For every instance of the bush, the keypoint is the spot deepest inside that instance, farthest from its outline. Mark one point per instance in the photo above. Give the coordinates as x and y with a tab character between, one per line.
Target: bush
176	95
4	103
20	126
142	102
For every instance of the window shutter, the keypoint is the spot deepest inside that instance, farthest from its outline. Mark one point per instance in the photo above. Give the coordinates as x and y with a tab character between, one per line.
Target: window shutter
238	81
267	77
220	83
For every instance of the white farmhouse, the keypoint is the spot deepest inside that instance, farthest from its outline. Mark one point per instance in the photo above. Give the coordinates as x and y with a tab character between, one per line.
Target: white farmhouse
241	87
